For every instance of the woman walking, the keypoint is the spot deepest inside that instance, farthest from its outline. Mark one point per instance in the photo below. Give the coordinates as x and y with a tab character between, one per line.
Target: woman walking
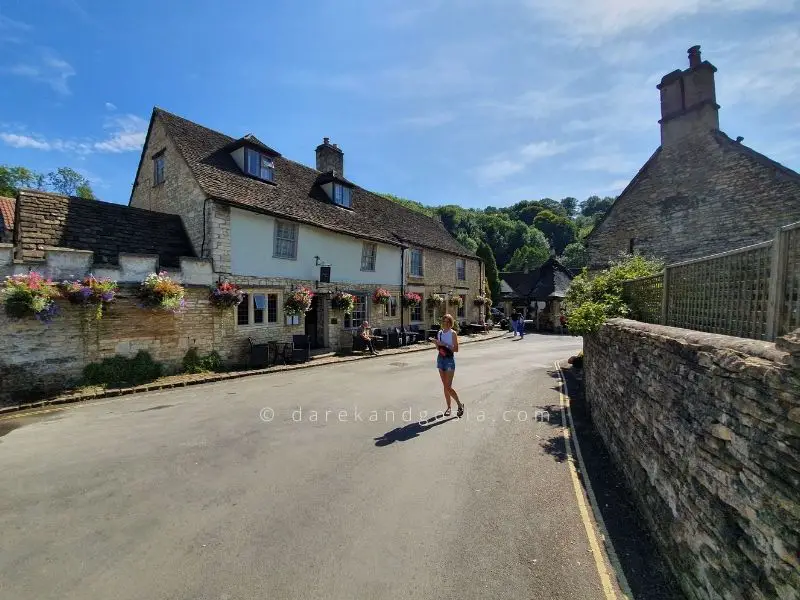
447	342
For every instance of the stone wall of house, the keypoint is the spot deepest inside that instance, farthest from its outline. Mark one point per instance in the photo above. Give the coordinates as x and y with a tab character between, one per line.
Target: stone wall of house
179	194
706	429
701	196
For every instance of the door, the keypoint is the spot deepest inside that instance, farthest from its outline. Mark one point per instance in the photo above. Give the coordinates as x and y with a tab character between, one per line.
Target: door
311	323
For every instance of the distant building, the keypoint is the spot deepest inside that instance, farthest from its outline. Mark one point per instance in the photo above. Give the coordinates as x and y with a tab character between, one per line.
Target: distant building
538	293
701	192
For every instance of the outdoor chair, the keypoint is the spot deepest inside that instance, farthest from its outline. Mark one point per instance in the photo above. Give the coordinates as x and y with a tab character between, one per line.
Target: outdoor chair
258	354
301	348
380	344
393	338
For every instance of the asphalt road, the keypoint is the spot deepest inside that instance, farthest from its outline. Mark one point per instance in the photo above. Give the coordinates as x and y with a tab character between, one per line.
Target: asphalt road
190	494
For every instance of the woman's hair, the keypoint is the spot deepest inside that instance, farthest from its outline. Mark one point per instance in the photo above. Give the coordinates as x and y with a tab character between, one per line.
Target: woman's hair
449	317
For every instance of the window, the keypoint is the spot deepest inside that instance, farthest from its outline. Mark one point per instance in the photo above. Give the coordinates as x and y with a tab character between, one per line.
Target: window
461	269
243	311
630	245
416	263
393	306
285	240
416	313
359	314
462	309
259	165
341	195
255	307
368	253
158	169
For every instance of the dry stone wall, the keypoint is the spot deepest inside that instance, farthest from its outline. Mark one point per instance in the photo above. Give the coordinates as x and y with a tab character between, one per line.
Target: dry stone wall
706	429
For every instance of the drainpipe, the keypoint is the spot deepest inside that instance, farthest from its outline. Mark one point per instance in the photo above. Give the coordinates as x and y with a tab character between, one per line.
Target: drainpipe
402	286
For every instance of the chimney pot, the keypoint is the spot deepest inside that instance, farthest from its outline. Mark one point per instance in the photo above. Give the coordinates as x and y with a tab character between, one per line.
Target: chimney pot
326	140
694	56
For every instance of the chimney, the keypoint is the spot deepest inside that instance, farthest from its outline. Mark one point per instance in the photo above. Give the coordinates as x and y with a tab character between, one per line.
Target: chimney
688	100
330	157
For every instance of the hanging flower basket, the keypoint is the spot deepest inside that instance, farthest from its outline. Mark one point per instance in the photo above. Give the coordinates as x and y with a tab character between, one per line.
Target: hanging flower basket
298	302
411	299
480	301
344	302
30	295
91	292
435	301
226	295
381	296
456	301
160	292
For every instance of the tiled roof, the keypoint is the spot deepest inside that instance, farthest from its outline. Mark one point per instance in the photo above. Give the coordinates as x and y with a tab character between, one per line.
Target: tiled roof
297	194
6	216
106	229
551	280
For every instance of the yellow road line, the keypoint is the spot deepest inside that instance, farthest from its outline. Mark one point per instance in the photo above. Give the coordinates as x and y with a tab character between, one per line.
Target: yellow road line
605	579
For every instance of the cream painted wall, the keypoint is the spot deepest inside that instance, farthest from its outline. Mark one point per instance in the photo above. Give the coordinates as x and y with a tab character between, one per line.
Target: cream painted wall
252	246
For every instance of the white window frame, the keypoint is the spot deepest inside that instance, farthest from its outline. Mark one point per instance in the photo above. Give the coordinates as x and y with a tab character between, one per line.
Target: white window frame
461	269
342	195
349	320
294	227
250	302
419	308
421	272
265	165
159	169
369	256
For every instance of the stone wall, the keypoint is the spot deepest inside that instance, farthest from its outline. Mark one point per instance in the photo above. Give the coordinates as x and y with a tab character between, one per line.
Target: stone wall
691	200
706	429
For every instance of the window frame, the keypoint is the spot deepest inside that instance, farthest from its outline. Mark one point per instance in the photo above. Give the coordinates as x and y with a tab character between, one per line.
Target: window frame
261	159
269	314
461	312
349	320
416	310
365	255
391	309
411	271
346	193
276	239
461	269
159	174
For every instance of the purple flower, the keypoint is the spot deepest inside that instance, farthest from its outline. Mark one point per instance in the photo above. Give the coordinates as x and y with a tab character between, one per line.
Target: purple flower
86	292
107	296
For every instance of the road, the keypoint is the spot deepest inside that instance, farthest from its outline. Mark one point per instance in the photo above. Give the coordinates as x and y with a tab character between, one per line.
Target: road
290	486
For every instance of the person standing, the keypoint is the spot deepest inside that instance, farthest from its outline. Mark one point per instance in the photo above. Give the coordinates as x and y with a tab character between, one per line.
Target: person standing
447	342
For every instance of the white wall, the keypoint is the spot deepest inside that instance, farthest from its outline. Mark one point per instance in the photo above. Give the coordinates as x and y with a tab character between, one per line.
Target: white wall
252	246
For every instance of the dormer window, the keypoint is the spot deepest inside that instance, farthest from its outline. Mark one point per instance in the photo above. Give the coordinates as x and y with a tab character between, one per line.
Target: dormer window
342	195
259	165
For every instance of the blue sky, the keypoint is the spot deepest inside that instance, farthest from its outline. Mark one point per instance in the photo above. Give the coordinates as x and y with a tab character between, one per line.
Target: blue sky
442	101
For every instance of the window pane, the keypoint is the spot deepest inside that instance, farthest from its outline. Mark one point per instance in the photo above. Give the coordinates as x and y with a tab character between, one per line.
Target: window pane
359	314
259	303
252	162
242	311
272	308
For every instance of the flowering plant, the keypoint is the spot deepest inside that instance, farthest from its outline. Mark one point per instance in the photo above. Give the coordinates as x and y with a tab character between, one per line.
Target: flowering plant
456	301
343	301
226	295
411	299
381	296
298	302
480	301
91	292
30	295
435	300
160	292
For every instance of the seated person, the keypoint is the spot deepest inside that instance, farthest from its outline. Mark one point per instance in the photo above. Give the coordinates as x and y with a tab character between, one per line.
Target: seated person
366	335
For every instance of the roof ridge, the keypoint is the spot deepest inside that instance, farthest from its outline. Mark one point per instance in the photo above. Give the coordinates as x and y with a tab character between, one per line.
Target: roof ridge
156	109
723	137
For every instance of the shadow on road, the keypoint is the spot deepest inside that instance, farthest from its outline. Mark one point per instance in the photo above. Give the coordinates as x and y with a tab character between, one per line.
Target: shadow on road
403	434
645	568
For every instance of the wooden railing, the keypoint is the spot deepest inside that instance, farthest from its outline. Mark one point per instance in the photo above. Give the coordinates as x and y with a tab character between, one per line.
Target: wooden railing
751	292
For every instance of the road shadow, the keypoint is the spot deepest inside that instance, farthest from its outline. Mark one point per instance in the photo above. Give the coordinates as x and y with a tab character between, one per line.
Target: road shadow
645	568
412	430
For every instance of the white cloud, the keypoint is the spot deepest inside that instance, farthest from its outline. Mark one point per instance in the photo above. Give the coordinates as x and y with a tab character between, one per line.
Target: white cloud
503	166
591	22
49	69
612	161
126	134
616	186
111	106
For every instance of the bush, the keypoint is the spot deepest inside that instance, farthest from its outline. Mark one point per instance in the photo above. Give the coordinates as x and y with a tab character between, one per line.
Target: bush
120	370
194	363
591	300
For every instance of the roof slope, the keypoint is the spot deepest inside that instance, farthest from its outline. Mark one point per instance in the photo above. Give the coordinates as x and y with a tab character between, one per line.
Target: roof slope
7	207
297	195
551	280
106	229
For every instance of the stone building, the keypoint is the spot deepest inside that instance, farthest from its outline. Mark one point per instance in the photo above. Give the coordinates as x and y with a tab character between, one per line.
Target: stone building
269	224
701	192
7	209
537	293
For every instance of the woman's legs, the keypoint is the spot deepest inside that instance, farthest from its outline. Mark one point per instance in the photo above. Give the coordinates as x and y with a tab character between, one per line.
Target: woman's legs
449	377
445	386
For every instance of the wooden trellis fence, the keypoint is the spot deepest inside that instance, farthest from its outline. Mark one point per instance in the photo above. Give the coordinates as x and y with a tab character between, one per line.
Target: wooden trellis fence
751	292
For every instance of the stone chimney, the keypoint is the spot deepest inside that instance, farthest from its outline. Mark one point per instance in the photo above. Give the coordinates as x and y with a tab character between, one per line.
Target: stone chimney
330	157
688	100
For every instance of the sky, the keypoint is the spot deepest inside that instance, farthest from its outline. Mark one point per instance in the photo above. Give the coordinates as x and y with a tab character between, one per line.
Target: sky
463	102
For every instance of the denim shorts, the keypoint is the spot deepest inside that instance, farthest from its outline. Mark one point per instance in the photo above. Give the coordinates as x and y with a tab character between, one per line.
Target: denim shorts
446	363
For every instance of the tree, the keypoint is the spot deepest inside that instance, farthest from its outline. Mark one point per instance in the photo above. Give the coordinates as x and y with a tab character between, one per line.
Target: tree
575	256
560	231
63	181
467	242
492	276
595	205
13	179
70	183
528	258
570	205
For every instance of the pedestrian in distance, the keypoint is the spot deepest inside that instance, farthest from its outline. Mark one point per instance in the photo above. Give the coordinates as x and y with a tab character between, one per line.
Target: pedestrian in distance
446	341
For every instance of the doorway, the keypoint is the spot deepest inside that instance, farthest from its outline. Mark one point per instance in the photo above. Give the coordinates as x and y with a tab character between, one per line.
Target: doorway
311	323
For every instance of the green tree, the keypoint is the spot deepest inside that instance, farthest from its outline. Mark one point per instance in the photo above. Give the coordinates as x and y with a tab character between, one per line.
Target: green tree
527	259
492	276
595	205
13	179
467	242
70	183
575	256
560	231
63	181
570	205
